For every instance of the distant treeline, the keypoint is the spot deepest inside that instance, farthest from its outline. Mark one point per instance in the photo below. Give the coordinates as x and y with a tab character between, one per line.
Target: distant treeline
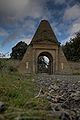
72	48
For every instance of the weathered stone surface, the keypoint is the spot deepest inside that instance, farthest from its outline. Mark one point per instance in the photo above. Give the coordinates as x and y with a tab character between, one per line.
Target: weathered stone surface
63	93
65	116
44	43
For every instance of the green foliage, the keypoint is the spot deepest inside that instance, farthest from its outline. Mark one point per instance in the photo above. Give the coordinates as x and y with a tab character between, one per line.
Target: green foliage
1	66
7	65
12	69
18	92
19	50
72	49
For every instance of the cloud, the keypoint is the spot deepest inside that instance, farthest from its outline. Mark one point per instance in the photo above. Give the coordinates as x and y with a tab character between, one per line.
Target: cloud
23	8
67	39
4	55
3	32
60	2
75	28
12	5
15	12
26	40
28	27
71	19
72	13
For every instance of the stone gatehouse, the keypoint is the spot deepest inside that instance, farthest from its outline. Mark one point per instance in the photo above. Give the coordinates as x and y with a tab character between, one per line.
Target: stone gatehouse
44	43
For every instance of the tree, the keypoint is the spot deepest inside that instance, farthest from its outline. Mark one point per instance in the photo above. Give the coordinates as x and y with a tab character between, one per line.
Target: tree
72	49
19	50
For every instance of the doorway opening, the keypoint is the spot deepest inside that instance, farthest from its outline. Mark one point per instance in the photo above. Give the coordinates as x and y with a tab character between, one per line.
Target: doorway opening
45	63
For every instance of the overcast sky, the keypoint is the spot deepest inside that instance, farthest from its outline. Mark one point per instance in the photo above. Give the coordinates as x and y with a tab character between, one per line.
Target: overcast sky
19	20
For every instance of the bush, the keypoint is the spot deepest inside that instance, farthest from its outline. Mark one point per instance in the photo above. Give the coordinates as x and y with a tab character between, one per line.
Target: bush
1	66
12	69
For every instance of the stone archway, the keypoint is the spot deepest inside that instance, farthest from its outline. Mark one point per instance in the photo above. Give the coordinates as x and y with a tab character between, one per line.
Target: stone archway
45	63
44	43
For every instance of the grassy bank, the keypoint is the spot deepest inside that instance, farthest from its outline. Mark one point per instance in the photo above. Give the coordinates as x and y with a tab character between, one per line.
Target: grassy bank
18	92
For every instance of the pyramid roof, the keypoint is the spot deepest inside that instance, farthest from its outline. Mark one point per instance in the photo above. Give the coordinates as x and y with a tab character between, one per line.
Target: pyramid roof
44	32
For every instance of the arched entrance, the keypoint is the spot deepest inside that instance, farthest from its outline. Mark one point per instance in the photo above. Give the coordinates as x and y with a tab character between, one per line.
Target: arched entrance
45	63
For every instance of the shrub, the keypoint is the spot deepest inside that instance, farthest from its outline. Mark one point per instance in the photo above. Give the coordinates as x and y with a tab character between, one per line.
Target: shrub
12	69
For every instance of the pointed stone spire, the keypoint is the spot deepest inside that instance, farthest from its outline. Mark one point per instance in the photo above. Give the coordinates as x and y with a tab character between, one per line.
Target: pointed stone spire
44	32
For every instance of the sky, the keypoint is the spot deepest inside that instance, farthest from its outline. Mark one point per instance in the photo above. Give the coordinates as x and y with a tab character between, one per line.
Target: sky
19	20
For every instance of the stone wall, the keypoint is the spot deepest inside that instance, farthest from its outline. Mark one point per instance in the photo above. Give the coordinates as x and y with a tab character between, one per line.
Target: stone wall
75	66
44	41
64	67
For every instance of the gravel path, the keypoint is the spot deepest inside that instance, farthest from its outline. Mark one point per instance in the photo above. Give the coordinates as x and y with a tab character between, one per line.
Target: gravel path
63	94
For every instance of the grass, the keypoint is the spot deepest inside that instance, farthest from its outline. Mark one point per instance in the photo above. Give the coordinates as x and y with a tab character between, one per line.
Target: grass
14	88
18	92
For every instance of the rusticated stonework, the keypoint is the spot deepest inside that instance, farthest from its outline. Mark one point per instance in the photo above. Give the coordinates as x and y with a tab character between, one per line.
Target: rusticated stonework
45	43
